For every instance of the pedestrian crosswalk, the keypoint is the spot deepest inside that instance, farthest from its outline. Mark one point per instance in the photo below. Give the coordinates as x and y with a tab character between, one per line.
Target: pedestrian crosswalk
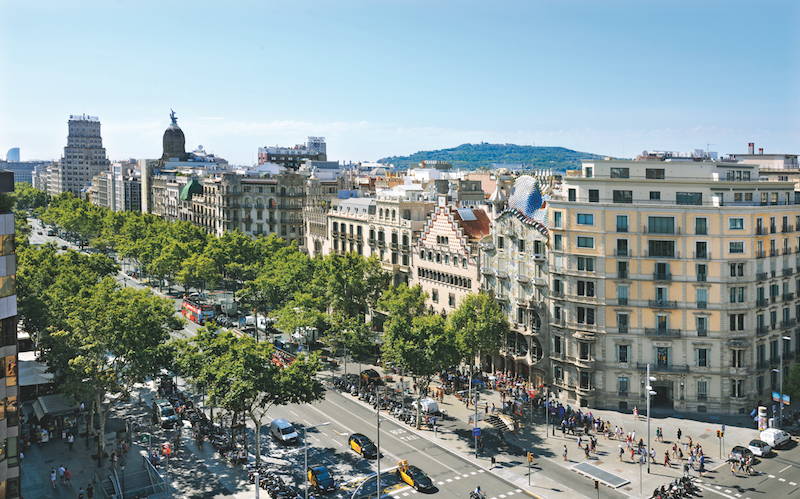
407	491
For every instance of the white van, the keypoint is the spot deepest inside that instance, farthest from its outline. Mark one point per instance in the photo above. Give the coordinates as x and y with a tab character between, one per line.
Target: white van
283	431
775	437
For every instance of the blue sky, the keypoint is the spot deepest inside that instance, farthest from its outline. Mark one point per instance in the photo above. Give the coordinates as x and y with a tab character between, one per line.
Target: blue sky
380	78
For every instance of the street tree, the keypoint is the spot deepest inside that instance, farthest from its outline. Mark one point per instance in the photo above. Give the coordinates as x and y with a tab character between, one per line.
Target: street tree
480	327
198	271
422	346
352	283
113	339
352	335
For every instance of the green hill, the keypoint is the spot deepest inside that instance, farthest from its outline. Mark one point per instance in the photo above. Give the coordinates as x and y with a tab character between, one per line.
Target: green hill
477	156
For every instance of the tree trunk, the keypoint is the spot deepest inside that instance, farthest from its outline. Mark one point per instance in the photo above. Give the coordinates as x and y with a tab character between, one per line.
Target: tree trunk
257	422
101	443
419	404
90	423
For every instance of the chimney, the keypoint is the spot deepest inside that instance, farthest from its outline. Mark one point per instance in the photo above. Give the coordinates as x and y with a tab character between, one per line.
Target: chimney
751	147
760	150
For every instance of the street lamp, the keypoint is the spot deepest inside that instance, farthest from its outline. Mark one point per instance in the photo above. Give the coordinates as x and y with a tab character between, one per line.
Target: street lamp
378	416
650	393
305	452
122	467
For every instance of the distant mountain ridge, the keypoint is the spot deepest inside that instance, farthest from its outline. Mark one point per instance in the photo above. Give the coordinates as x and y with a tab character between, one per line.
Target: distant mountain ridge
483	155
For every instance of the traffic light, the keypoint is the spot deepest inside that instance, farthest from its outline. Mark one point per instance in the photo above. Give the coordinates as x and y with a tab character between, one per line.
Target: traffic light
719	434
597	484
530	457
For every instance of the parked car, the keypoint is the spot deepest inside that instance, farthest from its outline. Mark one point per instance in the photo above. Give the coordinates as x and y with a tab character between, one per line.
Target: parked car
371	376
362	445
164	414
320	478
759	447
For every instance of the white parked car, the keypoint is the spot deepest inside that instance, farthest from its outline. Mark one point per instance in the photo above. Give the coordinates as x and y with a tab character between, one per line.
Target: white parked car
775	437
759	447
429	406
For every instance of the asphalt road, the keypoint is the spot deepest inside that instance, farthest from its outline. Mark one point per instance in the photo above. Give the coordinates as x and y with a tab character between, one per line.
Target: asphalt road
777	475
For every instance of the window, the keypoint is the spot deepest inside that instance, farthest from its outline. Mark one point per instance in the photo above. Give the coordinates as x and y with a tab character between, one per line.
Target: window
558	373
451	300
702	389
594	196
620	172
737	294
622	323
760	384
586	263
625	197
557	219
622	247
622	293
702	326
589	171
736	223
737	269
586	380
689	198
585	242
557	344
571	195
521	245
557	243
655	195
736	322
702	297
585	219
661	248
622	383
661	225
435	295
701	226
622	353
622	223
702	357
701	249
501	242
585	315
736	247
622	270
654	173
586	288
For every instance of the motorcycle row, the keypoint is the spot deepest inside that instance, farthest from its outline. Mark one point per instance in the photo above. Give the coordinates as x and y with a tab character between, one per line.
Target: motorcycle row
393	404
272	482
679	488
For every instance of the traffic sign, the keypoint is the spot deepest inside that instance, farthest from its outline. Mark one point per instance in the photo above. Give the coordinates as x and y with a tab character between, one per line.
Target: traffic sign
476	432
145	439
166	449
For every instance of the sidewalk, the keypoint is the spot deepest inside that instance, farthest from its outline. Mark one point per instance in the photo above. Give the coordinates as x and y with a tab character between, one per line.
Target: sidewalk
511	458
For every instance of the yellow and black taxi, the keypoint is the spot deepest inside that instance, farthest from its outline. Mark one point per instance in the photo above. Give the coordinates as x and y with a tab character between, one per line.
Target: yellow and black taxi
413	476
363	445
371	376
320	478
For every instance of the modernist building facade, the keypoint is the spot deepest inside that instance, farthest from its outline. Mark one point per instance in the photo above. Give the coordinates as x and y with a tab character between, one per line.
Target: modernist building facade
514	271
446	257
689	266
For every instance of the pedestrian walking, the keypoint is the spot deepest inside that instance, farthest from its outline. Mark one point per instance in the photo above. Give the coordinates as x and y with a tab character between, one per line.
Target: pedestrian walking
67	476
621	452
635	412
80	493
675	449
89	491
678	434
733	467
680	455
565	455
702	465
586	450
70	440
633	452
666	459
61	470
579	441
53	476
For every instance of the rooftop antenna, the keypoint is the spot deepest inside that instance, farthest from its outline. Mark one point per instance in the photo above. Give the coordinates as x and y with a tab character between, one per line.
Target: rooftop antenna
708	146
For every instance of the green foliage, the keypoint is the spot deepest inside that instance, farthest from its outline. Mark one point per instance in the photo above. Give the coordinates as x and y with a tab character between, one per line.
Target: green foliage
352	283
476	156
6	202
480	326
791	383
403	302
28	198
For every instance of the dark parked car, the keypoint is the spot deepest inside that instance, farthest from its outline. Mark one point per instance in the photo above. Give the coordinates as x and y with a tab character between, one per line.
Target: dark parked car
741	451
320	478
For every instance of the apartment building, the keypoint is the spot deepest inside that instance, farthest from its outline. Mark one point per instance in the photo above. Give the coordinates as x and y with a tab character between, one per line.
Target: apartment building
514	270
386	226
294	157
446	259
84	157
689	266
9	353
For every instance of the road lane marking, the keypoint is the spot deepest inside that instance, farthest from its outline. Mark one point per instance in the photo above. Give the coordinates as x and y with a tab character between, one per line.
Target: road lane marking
784	469
294	414
465	475
792	484
339	433
449	480
439	483
771	476
518	490
473	473
781	479
457	477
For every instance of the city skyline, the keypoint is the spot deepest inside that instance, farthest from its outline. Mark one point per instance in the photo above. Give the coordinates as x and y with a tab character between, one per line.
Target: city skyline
613	78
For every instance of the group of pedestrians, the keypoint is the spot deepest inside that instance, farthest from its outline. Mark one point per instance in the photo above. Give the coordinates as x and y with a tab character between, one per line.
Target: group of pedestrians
63	476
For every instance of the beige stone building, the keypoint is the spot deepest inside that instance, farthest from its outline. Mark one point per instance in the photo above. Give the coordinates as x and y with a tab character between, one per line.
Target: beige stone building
689	266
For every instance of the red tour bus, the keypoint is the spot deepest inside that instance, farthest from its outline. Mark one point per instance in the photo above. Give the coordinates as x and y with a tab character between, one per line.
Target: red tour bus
196	311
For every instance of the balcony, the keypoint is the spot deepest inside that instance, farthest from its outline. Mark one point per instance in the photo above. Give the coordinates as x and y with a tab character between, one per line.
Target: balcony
556	294
787	272
522	279
788	324
622	228
774	361
787	251
702	397
372	241
762	276
761	254
487	246
622	329
394	245
702	333
662	368
762	364
665	304
622	252
761	231
702	304
381	243
761	303
622	301
557	321
788	297
662	332
557	355
773	252
540	282
334	233
622	274
501	274
701	277
487	271
404	247
788	228
762	330
702	255
662	276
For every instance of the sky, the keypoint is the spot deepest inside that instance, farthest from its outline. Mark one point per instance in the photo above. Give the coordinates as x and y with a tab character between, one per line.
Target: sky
382	77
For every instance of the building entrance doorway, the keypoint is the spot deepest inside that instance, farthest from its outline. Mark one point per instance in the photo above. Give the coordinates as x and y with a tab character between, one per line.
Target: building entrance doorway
664	395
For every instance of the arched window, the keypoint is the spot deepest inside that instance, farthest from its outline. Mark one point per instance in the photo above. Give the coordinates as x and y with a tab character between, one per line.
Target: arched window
283	191
393	214
407	214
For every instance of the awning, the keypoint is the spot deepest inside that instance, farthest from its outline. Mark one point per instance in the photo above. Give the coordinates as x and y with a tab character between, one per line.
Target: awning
55	405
